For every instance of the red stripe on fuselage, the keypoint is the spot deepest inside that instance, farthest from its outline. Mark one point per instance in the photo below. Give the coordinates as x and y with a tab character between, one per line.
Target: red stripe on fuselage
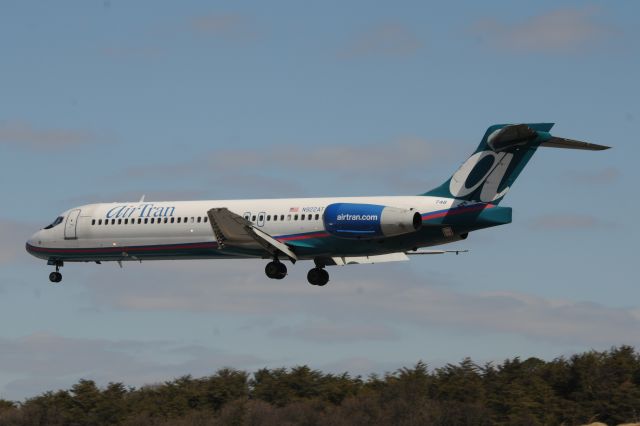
303	236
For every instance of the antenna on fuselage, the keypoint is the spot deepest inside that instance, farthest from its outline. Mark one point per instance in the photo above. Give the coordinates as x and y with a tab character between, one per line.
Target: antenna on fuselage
142	198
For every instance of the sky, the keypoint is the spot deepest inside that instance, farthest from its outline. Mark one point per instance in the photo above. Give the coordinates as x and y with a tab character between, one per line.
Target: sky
108	100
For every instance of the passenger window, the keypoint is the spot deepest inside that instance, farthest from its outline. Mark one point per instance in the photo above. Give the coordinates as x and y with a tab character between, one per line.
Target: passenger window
152	219
199	219
99	221
179	219
206	219
295	217
139	221
146	220
275	217
310	217
126	221
253	218
166	219
172	220
268	217
288	217
301	217
281	217
93	221
317	216
113	221
192	219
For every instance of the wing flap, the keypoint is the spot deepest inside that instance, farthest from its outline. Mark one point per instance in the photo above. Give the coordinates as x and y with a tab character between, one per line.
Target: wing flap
231	229
271	244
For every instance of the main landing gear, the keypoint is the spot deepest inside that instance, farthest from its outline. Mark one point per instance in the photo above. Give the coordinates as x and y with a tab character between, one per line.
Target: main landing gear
275	270
318	276
56	277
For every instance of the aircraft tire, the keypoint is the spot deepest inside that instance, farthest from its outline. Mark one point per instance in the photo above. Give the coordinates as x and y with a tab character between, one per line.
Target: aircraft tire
282	271
318	276
275	270
55	277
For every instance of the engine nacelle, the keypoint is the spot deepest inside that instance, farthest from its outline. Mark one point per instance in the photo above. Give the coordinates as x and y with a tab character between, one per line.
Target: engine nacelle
349	220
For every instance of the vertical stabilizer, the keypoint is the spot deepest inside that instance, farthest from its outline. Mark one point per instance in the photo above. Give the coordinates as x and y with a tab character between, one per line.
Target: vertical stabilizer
492	169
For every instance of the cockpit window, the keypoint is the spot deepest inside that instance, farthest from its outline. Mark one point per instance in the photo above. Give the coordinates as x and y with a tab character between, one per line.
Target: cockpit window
58	221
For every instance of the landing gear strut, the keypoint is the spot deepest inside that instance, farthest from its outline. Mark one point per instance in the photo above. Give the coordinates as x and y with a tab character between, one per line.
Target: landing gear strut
318	276
56	277
275	270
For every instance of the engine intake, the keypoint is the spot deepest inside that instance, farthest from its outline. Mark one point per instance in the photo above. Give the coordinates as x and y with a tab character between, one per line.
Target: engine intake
350	220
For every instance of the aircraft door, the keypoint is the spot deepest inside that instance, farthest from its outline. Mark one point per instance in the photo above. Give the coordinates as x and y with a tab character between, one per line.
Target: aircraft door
71	225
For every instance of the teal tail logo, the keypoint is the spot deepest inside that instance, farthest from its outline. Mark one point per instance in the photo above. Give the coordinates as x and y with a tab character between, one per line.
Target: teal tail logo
503	153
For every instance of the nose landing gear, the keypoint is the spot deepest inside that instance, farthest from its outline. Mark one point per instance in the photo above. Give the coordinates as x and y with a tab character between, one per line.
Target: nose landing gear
56	277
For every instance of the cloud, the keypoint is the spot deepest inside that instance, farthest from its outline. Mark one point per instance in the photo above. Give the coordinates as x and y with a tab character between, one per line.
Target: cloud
45	361
130	196
275	169
230	26
26	135
328	332
386	295
387	39
558	31
128	52
594	177
14	236
565	222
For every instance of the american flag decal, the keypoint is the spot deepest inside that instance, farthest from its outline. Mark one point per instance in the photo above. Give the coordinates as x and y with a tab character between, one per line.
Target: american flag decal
293	210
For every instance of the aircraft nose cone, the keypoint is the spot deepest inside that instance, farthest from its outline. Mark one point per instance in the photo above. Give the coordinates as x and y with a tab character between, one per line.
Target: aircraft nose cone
32	242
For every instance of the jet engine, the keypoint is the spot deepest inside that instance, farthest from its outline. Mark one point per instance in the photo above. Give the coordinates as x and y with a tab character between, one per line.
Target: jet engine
350	220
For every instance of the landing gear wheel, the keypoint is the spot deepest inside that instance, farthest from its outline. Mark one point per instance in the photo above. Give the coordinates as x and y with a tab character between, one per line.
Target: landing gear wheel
318	276
56	276
275	270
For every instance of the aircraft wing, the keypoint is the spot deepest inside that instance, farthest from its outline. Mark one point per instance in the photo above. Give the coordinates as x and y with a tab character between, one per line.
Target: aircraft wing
231	229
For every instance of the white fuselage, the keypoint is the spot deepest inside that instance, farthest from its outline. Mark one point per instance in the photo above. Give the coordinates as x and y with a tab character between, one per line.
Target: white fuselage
181	229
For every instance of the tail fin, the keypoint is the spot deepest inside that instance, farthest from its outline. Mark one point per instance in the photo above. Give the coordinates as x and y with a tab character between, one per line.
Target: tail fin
504	151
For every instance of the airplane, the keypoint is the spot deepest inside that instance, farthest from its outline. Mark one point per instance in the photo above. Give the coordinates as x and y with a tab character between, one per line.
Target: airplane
328	231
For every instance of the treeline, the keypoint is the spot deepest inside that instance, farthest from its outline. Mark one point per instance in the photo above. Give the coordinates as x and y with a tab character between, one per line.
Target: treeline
588	387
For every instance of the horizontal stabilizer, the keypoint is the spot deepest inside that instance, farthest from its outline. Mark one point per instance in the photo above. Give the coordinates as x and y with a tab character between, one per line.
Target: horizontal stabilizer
556	142
361	260
436	252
